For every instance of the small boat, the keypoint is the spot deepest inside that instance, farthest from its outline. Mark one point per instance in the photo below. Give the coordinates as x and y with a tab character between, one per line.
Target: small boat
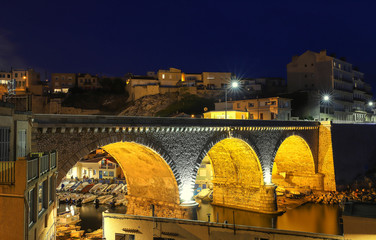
117	189
205	195
101	189
81	186
87	188
96	186
104	198
89	198
72	188
68	186
110	188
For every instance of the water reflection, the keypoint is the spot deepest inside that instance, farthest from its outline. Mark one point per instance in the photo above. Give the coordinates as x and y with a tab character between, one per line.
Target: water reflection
307	218
91	217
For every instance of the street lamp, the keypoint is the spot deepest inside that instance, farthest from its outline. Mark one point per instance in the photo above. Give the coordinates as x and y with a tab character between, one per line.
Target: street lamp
325	99
234	84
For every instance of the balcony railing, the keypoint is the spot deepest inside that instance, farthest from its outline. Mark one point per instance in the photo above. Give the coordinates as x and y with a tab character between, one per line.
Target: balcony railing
7	172
40	164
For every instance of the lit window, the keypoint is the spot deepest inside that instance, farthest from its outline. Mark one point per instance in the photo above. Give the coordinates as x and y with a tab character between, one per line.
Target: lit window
163	76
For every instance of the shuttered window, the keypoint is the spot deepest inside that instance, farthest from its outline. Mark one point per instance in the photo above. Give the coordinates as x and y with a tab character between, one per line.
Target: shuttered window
4	143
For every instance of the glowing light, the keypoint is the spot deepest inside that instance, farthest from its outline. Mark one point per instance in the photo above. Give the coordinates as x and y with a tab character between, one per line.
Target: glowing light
24	77
326	98
234	84
187	194
370	104
267	176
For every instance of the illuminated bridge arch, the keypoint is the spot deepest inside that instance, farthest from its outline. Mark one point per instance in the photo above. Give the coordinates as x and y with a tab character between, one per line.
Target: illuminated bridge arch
148	176
237	172
294	164
101	142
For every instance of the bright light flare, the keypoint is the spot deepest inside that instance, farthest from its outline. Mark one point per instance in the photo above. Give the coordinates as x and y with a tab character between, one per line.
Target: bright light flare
187	194
326	98
234	84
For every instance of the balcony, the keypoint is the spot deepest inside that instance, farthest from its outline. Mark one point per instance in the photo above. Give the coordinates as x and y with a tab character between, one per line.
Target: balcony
7	172
40	164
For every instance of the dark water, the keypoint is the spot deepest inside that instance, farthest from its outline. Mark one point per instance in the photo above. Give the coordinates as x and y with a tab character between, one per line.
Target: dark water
91	217
310	217
315	218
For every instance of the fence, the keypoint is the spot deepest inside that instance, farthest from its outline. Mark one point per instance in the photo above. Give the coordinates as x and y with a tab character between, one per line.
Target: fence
7	172
40	164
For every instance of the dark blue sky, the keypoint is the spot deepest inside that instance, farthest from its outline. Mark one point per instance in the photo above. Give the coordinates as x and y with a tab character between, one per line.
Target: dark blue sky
249	38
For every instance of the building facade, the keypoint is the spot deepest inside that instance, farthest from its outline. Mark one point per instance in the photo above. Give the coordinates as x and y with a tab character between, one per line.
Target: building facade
273	108
28	181
350	96
24	79
61	82
87	81
174	80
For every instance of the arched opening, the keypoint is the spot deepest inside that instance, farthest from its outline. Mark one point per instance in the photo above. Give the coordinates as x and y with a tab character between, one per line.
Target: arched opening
232	170
149	179
147	174
294	165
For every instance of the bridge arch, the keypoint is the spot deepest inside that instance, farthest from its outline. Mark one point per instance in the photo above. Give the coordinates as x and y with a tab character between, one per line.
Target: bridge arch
294	164
147	174
148	148
237	172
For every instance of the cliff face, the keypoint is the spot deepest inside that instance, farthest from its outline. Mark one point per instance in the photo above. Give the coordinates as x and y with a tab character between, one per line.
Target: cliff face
149	105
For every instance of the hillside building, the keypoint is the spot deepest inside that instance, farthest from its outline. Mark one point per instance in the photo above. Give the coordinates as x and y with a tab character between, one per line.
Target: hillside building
350	96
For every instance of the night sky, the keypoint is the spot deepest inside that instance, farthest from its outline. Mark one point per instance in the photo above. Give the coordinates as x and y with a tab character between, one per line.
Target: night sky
248	38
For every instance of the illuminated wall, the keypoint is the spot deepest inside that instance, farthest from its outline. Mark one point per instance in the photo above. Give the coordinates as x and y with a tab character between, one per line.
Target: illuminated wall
294	165
147	174
238	179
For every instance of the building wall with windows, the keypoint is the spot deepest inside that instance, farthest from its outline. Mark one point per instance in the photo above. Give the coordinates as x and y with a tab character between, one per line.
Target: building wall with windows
88	81
274	108
24	78
27	189
231	114
61	82
102	169
349	93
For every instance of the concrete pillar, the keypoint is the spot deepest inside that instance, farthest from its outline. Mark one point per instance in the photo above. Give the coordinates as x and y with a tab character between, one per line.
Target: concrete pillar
268	200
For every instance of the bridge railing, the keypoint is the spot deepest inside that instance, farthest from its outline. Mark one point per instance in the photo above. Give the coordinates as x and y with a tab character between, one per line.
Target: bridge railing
39	164
7	172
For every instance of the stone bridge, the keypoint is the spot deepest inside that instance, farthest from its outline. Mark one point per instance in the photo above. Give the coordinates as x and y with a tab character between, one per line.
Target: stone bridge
247	156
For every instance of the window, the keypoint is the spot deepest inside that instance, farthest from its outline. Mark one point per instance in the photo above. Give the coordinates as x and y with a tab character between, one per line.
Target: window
105	173
21	143
52	189
251	105
305	65
238	105
272	116
16	74
31	199
163	76
121	236
4	144
273	103
94	172
261	116
40	197
111	173
8	75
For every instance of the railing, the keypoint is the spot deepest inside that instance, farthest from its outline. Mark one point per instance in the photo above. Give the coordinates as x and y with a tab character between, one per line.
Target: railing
53	160
40	164
44	164
32	169
7	172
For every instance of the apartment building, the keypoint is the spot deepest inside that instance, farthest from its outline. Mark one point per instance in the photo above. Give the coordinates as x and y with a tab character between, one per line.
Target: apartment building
62	82
350	96
27	181
173	80
24	79
273	108
87	81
